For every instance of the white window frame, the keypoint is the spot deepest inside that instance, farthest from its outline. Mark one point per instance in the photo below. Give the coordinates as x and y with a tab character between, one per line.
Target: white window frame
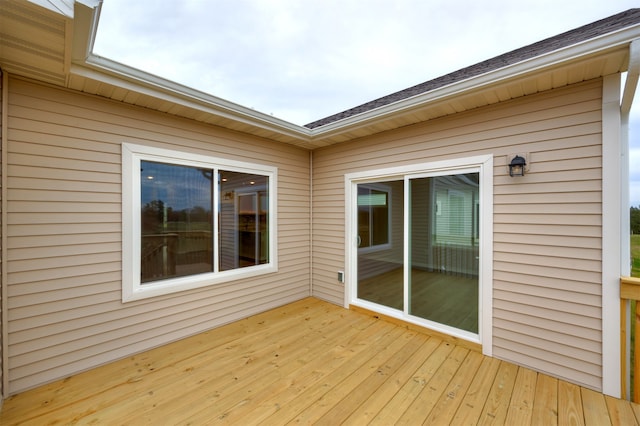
132	288
482	164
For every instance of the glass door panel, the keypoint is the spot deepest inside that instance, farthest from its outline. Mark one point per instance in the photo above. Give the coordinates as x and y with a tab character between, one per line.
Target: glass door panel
380	210
444	249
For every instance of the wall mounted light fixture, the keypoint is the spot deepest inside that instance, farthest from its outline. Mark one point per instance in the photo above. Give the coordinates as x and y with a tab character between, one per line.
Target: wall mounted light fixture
517	166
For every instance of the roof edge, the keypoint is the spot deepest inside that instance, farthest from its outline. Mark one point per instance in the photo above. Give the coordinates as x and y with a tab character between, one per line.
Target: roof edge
610	41
85	63
546	47
112	72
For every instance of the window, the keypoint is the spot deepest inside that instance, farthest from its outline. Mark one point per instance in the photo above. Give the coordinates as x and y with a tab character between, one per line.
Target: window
191	220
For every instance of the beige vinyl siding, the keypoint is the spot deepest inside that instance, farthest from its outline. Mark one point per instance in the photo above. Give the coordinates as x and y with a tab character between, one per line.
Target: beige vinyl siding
64	240
547	224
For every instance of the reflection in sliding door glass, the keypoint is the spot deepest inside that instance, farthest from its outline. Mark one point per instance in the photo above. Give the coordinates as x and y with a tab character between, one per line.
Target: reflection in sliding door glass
444	244
380	243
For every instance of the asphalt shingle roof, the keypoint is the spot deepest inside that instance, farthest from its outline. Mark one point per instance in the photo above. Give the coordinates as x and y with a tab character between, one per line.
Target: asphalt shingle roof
569	38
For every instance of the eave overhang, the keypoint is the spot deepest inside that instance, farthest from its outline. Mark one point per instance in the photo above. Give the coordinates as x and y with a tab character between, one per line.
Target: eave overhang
73	65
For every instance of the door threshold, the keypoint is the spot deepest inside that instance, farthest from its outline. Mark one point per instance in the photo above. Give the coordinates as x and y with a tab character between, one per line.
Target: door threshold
477	347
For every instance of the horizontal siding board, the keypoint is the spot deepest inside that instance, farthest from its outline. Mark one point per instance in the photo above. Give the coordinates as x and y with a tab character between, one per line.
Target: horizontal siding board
570	306
42	178
539	283
590	359
41	253
580	302
568	209
550	272
536	312
79	197
565	241
61	229
548	261
548	198
548	229
551	336
557	219
524	247
510	319
44	184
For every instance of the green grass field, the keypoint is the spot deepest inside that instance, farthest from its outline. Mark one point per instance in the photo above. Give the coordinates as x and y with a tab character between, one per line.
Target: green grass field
635	256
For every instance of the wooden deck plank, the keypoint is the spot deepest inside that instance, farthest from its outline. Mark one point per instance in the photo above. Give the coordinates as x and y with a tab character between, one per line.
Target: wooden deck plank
497	405
521	406
569	404
545	407
594	408
620	412
313	362
636	410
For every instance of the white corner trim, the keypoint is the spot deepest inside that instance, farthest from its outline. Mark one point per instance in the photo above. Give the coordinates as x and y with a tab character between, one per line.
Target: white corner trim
611	234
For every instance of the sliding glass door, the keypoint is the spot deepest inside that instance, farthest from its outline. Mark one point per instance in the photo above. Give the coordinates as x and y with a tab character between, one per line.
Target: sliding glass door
417	246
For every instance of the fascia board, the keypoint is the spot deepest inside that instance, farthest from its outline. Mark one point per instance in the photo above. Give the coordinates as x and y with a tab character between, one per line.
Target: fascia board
120	75
493	78
84	63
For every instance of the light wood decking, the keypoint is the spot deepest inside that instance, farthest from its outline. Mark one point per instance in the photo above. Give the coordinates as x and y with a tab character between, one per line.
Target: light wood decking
314	362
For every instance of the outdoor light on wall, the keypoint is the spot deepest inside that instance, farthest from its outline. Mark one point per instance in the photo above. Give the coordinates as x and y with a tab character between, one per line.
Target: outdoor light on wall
517	166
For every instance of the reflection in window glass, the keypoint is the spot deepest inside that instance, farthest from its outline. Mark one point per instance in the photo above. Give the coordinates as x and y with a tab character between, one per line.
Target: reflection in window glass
244	233
176	221
373	216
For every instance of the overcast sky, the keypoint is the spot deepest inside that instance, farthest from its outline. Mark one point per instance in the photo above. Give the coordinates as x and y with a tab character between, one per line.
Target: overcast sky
302	60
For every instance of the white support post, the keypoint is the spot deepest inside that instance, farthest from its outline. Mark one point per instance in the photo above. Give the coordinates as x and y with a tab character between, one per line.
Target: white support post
611	234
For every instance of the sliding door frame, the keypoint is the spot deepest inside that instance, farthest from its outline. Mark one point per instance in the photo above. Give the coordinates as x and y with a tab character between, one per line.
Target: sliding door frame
484	166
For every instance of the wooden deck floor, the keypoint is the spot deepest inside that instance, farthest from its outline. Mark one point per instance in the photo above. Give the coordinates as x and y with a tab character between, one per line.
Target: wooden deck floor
311	362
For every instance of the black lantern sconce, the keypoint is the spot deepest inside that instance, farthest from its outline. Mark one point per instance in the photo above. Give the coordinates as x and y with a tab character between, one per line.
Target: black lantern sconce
517	166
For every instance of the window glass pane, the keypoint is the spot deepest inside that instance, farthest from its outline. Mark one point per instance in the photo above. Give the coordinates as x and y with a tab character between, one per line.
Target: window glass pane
176	221
244	211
